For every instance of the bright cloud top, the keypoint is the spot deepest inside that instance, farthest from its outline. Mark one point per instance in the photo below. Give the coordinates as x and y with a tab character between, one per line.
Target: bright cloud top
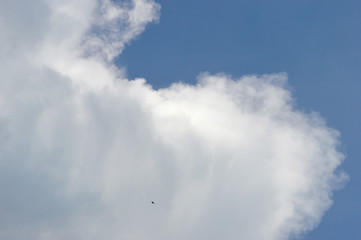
84	150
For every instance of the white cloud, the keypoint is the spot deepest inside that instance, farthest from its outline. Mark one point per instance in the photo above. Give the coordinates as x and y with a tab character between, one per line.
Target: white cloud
83	150
116	25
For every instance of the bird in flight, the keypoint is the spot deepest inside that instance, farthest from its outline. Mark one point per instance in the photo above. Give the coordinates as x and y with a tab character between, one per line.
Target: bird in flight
152	202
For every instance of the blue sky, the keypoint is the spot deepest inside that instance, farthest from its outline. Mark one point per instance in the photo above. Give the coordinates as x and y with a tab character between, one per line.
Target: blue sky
317	43
223	113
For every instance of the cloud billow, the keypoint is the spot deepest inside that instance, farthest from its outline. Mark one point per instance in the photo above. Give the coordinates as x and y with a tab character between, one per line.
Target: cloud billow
84	150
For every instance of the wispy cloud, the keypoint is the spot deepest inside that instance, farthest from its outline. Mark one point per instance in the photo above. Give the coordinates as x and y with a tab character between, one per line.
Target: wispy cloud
84	150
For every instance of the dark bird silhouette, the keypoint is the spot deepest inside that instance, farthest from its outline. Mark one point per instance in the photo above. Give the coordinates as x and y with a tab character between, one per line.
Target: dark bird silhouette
152	202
